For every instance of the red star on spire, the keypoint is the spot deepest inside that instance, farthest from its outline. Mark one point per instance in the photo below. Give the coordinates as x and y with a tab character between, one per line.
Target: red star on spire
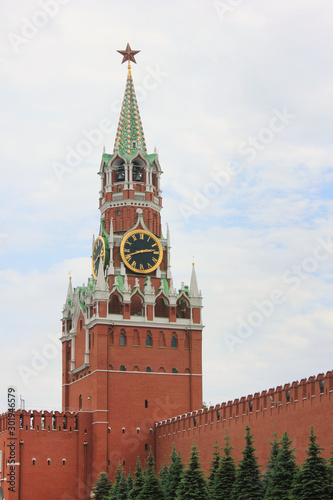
128	54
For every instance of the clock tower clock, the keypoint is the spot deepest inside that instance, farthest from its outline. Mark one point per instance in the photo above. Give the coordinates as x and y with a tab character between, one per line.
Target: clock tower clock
131	340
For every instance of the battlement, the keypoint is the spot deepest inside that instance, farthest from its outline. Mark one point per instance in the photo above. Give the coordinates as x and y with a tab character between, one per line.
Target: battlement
274	400
34	420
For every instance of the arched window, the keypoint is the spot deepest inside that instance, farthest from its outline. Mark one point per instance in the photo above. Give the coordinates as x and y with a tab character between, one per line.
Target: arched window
149	369
136	338
136	305
137	173
120	174
149	340
123	368
80	402
64	423
161	308
183	310
122	338
115	305
174	370
161	340
174	340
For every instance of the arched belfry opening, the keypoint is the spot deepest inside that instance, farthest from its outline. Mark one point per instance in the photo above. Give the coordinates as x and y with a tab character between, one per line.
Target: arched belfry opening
137	305
138	171
183	308
162	307
118	171
115	304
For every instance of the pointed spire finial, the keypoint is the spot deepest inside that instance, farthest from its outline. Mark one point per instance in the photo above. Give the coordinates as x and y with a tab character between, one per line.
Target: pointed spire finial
70	288
128	55
100	283
194	290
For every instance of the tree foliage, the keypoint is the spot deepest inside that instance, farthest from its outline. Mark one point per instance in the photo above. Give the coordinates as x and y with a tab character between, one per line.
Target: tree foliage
152	488
102	486
282	472
225	475
175	473
312	481
247	485
193	483
214	465
138	481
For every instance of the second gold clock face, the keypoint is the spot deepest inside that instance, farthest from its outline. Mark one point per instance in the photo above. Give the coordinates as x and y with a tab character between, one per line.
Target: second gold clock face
98	253
141	251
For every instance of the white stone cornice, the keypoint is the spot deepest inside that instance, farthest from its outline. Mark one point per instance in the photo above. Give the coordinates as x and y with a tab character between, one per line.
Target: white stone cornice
141	321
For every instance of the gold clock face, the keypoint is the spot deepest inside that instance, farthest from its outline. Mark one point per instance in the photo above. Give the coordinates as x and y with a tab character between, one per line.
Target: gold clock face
98	253
141	251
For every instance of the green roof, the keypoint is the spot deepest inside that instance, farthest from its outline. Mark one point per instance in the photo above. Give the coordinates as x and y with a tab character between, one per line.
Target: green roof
130	129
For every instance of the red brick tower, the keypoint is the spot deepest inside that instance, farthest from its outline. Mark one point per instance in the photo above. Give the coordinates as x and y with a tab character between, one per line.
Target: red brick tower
131	341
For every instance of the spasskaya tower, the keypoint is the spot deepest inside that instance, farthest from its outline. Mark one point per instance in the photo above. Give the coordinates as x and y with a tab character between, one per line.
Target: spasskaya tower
131	341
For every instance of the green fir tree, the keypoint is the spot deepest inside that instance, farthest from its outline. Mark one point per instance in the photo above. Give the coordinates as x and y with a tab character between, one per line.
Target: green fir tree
129	483
102	486
283	472
330	472
225	475
193	484
214	465
164	475
248	485
312	482
175	472
152	488
275	446
113	495
137	482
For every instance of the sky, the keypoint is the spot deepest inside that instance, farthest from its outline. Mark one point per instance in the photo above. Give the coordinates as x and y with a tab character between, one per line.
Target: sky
237	97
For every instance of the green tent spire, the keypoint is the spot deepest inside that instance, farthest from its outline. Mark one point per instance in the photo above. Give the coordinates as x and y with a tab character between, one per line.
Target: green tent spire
130	132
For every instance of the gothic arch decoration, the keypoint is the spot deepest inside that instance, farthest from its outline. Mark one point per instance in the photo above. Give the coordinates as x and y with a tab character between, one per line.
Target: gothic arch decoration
137	301
162	306
136	368
118	167
174	340
139	166
115	303
122	337
136	338
187	340
162	369
161	339
183	307
149	339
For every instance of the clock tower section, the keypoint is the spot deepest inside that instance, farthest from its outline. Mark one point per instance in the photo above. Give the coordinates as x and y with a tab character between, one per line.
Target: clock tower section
131	341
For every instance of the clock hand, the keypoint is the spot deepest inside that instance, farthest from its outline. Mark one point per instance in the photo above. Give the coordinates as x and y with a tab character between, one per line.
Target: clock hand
141	251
